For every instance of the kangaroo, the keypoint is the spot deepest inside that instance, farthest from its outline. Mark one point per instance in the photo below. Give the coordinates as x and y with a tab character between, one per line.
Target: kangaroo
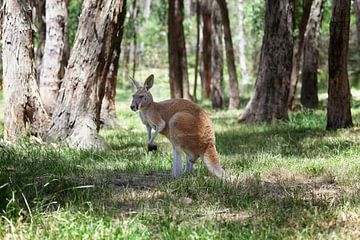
184	123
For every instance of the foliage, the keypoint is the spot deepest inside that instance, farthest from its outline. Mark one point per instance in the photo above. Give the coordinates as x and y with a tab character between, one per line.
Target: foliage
289	180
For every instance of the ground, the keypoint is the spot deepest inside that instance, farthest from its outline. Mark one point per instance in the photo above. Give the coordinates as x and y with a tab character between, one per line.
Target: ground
287	180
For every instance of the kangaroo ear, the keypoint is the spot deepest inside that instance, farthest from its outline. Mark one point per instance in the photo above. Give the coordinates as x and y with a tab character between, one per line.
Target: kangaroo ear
149	82
136	83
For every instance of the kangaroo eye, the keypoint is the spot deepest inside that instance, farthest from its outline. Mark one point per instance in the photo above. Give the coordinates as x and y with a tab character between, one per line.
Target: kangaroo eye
141	96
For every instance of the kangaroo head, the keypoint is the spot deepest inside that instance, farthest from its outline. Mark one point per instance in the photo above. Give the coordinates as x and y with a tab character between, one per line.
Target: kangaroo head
142	97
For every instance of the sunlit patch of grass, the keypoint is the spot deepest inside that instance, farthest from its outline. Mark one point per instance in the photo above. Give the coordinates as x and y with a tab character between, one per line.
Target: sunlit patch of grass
285	180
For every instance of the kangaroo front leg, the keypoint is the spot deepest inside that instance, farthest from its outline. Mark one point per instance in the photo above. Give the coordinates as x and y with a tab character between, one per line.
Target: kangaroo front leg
177	164
159	128
151	147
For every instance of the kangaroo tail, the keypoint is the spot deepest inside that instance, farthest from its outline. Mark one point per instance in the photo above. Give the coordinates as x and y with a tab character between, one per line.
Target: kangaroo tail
212	162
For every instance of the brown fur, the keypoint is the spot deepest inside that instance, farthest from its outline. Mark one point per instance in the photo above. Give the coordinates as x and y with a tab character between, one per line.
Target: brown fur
184	123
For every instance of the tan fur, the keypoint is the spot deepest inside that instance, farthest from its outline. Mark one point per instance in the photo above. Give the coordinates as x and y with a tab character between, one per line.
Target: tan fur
184	123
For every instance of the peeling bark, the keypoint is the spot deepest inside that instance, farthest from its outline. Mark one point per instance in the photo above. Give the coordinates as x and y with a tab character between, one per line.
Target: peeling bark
25	113
53	66
41	31
76	120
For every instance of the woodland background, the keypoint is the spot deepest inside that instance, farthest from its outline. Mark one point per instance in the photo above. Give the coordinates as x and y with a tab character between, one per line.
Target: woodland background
73	159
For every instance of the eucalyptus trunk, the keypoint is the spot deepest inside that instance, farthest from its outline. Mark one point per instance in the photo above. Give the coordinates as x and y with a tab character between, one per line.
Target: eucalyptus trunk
242	43
205	68
54	56
108	118
25	113
234	101
179	80
338	109
309	91
298	50
217	96
269	100
76	121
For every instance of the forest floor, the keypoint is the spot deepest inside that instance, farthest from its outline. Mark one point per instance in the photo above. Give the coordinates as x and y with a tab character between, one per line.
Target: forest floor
290	180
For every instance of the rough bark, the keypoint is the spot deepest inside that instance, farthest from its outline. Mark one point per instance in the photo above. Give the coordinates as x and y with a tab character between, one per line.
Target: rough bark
242	43
269	100
41	32
76	120
357	15
108	118
179	80
309	91
197	47
22	104
298	50
53	66
338	110
205	68
234	101
217	96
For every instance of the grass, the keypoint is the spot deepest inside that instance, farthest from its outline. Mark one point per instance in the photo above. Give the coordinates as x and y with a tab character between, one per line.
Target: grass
290	180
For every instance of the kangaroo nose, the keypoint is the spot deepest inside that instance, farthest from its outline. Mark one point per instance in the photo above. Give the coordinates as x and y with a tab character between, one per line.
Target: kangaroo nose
133	107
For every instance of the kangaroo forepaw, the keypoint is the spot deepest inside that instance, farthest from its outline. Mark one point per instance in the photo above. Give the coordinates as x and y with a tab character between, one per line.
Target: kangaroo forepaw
152	147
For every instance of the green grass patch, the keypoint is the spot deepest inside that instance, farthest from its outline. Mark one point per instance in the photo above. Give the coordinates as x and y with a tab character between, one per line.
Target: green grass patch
287	180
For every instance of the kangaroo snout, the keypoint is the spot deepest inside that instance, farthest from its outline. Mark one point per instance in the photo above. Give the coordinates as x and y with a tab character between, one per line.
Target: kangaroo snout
133	107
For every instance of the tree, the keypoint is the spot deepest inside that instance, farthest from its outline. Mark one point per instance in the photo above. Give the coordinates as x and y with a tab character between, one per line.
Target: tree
76	121
22	105
309	97
269	100
41	33
108	116
54	53
242	43
179	81
338	109
205	65
217	96
230	59
298	50
197	47
357	14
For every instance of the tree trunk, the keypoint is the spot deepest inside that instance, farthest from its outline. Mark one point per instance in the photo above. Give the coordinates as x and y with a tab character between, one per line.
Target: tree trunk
53	66
234	102
217	96
357	14
242	58
134	14
108	116
338	110
298	50
147	8
269	100
179	80
206	48
22	104
309	92
76	120
41	32
197	47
